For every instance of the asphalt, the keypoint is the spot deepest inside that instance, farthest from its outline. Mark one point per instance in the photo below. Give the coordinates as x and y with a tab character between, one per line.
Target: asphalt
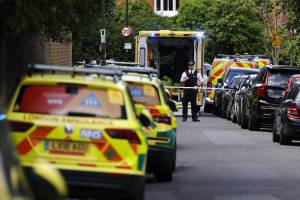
217	160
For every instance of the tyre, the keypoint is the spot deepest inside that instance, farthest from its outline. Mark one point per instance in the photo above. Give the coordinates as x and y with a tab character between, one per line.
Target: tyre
284	138
139	194
208	108
228	114
275	137
164	175
215	110
174	157
253	122
243	122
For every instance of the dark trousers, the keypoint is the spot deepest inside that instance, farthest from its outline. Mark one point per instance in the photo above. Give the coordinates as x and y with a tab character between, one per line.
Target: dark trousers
189	95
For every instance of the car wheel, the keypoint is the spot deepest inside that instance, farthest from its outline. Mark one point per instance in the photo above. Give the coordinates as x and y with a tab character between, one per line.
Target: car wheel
275	137
284	138
163	175
253	123
174	158
139	194
243	121
207	108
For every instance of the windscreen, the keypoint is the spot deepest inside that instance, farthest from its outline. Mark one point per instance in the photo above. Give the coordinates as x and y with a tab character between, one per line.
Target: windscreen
280	77
232	73
72	100
233	82
145	94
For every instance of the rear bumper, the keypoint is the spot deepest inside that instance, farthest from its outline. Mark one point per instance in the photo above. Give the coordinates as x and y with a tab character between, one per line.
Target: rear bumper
101	184
293	129
266	112
159	158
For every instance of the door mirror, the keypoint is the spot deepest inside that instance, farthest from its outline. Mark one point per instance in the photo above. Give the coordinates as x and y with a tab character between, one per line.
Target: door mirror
172	105
145	118
247	82
46	181
288	102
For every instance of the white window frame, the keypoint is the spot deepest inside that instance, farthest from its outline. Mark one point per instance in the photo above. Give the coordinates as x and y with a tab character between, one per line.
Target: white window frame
166	13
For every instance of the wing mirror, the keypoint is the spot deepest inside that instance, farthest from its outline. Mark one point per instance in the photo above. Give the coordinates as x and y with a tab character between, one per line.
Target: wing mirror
46	181
145	118
247	82
172	105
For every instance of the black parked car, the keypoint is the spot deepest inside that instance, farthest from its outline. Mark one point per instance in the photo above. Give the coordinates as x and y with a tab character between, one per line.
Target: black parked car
229	96
266	95
287	117
223	84
242	99
234	99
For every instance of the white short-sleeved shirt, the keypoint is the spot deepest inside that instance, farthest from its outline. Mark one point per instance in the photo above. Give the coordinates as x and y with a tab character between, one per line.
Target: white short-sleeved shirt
199	76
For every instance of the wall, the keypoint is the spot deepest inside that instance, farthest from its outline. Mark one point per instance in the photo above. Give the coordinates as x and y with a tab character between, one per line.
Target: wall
17	52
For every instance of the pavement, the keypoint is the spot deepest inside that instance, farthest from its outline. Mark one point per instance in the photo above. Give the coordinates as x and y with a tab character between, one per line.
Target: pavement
217	160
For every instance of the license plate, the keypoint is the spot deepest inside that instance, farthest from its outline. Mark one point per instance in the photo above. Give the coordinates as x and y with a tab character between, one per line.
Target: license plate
66	147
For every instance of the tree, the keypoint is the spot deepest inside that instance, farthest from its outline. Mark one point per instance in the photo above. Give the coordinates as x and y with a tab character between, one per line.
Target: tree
23	23
193	14
231	26
141	17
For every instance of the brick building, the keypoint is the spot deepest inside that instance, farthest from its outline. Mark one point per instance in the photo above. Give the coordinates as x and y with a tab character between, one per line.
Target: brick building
167	8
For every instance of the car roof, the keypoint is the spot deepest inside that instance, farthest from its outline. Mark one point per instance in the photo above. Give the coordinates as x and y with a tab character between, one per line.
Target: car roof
283	67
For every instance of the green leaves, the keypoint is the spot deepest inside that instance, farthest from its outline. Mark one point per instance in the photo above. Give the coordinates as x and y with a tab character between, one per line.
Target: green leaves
232	26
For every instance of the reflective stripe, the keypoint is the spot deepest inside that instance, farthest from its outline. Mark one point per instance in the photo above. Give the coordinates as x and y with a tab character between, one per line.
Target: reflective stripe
25	146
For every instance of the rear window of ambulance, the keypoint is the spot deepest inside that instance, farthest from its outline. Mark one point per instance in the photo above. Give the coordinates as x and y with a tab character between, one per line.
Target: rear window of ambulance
72	100
144	94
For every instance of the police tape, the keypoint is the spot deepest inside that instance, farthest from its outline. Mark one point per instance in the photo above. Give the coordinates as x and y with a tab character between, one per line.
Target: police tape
196	88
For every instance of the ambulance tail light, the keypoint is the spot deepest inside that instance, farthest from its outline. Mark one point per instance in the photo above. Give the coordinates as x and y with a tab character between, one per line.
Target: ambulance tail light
162	118
125	134
20	126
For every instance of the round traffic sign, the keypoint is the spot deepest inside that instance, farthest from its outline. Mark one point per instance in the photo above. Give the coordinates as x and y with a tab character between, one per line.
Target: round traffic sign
126	31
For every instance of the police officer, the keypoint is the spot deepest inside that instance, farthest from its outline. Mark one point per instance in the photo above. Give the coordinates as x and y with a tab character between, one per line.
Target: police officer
190	78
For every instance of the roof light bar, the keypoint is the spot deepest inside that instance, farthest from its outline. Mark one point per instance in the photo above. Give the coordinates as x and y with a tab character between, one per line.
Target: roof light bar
243	56
74	70
127	69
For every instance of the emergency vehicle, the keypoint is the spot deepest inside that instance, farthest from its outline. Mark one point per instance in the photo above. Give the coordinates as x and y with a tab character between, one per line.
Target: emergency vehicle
169	52
83	122
223	62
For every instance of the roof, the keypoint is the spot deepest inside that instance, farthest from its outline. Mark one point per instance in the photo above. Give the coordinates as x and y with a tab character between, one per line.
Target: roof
169	33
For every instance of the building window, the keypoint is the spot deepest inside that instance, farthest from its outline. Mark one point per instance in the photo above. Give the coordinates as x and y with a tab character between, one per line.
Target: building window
158	5
166	7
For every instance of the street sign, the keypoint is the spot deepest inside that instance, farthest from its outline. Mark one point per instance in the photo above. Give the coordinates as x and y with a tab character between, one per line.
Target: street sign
102	36
126	31
127	46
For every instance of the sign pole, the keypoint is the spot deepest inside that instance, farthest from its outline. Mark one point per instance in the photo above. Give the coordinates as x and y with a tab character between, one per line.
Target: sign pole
102	46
